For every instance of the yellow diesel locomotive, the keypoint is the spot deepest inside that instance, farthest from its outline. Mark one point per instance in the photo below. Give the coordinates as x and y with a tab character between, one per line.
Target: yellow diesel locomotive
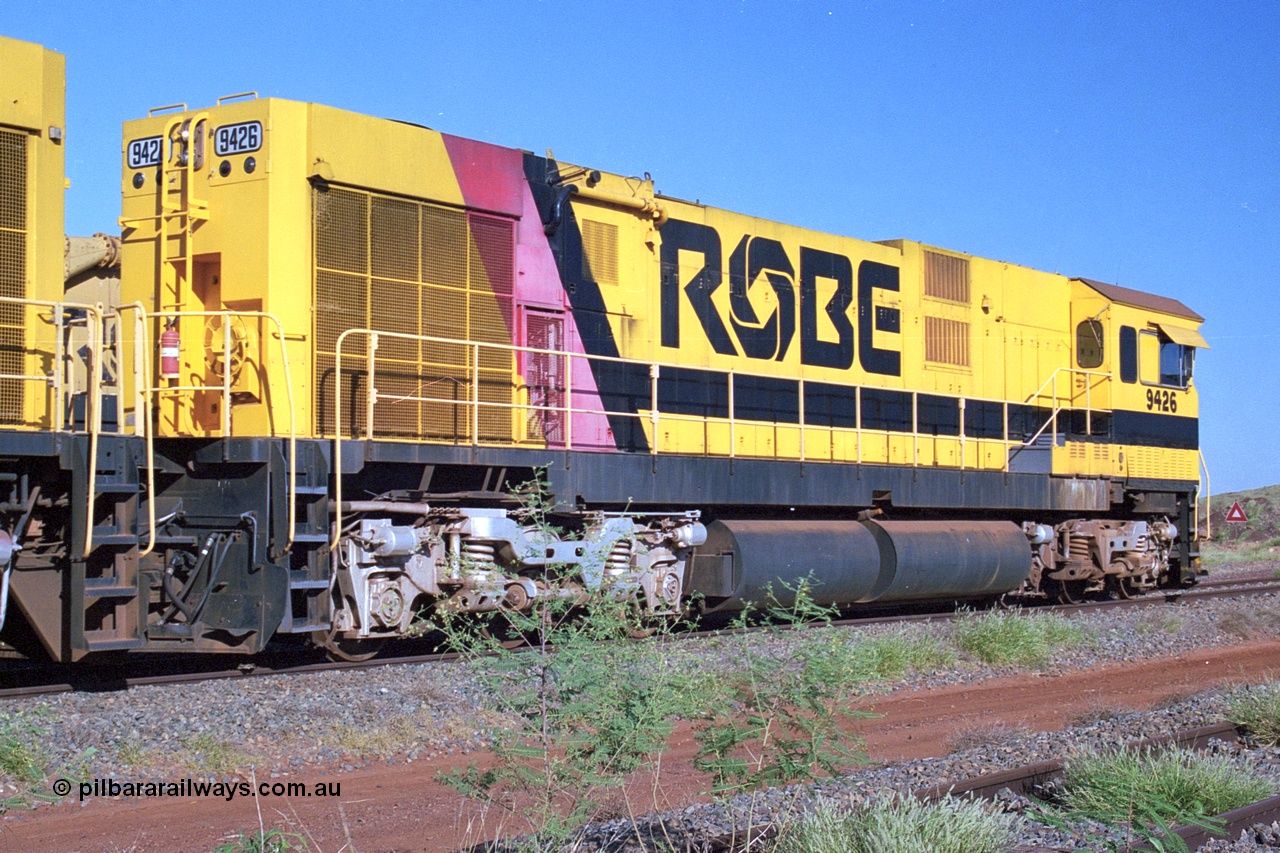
339	345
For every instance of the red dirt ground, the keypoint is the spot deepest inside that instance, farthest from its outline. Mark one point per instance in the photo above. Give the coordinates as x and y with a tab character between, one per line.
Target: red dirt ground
401	808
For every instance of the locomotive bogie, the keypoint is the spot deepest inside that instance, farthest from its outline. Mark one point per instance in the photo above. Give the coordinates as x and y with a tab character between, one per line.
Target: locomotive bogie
479	560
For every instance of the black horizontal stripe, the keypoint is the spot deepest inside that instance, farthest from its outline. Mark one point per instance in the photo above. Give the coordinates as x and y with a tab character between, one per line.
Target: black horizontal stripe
705	393
887	410
983	419
686	391
830	405
1154	430
937	415
766	398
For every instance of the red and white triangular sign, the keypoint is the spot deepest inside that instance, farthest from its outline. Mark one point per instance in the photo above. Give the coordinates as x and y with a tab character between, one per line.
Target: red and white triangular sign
1236	513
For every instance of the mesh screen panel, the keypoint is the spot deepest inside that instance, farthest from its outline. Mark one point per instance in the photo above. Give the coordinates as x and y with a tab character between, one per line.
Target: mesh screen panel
444	247
342	230
946	277
13	269
400	265
946	341
393	238
600	251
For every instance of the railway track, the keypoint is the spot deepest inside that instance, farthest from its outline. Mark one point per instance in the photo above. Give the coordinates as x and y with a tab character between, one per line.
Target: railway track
1032	779
66	679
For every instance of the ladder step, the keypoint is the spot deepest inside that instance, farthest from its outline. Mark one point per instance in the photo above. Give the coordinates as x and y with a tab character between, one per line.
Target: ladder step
311	490
108	588
110	536
310	537
306	629
107	487
308	584
114	644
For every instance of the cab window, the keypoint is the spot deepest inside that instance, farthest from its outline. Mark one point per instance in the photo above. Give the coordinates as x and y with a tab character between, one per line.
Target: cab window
1089	344
1163	362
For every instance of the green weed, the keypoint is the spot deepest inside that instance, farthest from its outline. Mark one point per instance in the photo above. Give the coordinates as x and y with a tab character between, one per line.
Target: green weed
900	824
1258	710
22	756
1014	637
1151	792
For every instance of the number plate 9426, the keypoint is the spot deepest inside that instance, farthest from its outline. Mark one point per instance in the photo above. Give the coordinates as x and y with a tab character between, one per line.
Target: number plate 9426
237	138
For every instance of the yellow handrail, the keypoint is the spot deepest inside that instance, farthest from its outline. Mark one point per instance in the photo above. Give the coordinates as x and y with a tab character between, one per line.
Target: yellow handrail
1208	501
1057	406
93	373
142	410
655	417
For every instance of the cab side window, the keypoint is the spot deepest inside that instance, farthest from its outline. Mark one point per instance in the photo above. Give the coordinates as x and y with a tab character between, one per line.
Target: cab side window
1163	362
1089	353
1176	362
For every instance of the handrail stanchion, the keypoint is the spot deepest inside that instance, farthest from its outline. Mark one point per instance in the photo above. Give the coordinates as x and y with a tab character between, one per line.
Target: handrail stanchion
800	414
372	396
653	407
226	375
915	429
568	403
59	369
337	438
475	393
733	420
92	418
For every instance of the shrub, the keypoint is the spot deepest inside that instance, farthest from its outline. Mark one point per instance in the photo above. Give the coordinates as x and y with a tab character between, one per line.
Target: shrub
781	720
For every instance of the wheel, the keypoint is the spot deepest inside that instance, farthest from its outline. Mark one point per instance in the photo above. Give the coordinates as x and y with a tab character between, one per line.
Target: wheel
342	649
508	639
500	630
1070	592
1123	588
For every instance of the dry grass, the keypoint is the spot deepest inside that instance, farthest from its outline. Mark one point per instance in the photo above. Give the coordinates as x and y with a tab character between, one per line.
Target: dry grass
985	735
1098	712
1250	620
206	753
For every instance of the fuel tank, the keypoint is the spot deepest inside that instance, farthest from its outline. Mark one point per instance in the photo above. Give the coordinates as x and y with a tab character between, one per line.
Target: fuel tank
948	559
856	562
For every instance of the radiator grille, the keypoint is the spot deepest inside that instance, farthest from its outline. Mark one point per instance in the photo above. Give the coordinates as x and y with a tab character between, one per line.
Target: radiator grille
946	277
600	252
13	269
400	265
946	341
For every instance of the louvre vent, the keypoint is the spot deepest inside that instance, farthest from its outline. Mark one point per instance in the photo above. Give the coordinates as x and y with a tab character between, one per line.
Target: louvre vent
399	265
599	252
946	341
946	277
13	269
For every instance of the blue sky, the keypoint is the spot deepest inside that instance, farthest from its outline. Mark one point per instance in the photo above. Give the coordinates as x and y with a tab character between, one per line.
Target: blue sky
1136	143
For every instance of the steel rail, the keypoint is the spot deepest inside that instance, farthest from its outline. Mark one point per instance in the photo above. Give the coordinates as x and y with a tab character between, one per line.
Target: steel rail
251	668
